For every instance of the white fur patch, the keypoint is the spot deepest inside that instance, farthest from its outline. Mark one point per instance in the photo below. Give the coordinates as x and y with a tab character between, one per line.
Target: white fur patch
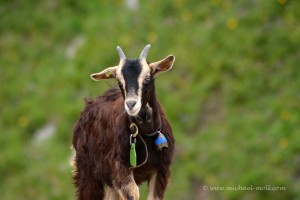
73	160
151	188
111	194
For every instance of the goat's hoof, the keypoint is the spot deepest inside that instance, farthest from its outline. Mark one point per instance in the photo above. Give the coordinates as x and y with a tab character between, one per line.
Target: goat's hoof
129	197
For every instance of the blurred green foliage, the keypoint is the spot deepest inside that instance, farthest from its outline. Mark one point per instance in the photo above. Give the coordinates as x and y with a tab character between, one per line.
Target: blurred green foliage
232	97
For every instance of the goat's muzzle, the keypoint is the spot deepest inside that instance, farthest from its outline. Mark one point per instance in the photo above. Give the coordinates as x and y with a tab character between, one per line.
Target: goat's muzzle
132	106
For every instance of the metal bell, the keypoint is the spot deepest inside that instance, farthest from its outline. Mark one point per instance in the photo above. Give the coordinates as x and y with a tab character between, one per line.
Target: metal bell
161	141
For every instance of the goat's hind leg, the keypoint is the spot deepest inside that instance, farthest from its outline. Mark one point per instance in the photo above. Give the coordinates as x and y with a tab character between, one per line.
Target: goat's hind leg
87	187
90	189
157	185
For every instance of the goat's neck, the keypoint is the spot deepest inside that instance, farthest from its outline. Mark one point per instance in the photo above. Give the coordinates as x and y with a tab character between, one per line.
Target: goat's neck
149	119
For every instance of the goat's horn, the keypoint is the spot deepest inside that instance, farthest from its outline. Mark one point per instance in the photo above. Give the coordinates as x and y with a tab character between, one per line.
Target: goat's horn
145	52
121	53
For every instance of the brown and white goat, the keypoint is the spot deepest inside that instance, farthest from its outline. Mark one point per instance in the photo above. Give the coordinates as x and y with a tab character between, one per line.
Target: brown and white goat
102	134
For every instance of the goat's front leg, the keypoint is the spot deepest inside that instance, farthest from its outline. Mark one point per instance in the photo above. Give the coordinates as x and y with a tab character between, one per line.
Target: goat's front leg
125	185
129	190
157	185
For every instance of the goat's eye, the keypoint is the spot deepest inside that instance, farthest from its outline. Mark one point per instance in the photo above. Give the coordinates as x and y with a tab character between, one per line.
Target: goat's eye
147	79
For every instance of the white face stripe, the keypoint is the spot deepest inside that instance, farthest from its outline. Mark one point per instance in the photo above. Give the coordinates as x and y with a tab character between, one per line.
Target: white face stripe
145	72
133	95
120	76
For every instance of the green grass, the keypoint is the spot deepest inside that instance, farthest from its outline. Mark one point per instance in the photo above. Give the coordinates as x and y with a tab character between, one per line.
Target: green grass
232	96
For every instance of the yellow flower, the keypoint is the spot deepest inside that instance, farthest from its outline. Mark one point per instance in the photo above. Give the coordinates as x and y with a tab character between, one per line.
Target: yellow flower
215	2
283	142
152	37
285	116
23	121
211	180
232	23
186	15
178	3
125	39
282	1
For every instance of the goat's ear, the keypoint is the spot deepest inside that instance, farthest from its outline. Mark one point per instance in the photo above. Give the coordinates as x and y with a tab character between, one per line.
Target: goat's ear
162	65
108	73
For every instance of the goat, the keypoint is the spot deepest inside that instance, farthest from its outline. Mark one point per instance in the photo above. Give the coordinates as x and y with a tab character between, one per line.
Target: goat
123	138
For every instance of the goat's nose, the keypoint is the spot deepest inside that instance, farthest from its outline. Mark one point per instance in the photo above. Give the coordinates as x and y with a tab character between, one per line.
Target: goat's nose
130	104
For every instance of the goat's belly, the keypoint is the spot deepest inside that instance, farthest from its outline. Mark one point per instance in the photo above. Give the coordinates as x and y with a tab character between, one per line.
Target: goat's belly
143	174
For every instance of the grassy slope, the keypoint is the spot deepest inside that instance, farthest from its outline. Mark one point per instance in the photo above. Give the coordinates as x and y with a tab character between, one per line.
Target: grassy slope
232	97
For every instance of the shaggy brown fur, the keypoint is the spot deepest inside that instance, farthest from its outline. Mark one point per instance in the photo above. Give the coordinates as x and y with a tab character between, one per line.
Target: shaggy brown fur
101	141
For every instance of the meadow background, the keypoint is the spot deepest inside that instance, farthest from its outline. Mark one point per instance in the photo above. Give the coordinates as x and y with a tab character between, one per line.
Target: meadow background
232	97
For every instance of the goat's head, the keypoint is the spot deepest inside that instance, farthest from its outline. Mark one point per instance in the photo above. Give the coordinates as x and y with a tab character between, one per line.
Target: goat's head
135	77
